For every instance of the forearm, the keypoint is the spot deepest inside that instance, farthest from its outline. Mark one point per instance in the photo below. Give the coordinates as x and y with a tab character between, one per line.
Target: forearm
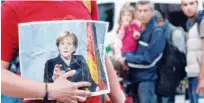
13	85
116	93
133	58
202	61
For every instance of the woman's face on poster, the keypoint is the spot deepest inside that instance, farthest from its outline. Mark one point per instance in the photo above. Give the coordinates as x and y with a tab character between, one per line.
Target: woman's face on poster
66	47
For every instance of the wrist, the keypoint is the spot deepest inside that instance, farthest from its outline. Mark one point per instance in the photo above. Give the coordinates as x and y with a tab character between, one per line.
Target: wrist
50	90
45	98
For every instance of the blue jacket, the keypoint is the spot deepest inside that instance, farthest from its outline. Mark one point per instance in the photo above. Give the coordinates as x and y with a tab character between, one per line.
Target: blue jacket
143	62
198	17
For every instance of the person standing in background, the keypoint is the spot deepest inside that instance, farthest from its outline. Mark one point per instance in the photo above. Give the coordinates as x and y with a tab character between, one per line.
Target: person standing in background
141	63
190	9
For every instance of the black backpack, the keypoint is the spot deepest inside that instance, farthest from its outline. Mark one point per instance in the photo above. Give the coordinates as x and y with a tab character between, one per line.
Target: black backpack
171	70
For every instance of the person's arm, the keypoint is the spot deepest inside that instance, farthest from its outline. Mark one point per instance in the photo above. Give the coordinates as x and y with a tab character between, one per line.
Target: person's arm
61	89
13	85
200	87
202	58
155	49
116	94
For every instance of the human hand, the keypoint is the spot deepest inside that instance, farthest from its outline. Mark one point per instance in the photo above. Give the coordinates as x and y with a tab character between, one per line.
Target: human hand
124	23
200	87
125	67
122	62
65	91
57	71
136	35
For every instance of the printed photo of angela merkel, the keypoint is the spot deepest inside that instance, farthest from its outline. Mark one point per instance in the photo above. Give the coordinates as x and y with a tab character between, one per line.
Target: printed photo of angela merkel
67	43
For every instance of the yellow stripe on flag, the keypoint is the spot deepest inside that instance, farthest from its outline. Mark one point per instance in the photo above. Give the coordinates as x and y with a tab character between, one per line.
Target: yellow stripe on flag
93	70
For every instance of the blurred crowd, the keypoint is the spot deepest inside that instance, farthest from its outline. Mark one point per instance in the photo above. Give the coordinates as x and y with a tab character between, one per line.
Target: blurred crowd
155	60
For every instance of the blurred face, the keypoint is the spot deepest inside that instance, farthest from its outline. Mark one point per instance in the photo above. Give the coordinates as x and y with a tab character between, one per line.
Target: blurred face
66	47
189	7
144	13
126	17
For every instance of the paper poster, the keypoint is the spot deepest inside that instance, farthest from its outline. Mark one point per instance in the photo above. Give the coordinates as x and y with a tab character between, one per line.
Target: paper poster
49	47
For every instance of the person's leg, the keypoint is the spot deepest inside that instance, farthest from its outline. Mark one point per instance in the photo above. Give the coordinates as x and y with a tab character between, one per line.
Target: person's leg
134	88
194	86
168	99
193	82
162	99
159	99
146	92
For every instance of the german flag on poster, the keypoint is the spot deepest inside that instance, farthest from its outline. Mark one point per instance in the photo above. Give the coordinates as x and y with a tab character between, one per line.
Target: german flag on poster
94	62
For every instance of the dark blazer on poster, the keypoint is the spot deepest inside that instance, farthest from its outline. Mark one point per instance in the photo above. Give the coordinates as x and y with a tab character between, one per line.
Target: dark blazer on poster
77	63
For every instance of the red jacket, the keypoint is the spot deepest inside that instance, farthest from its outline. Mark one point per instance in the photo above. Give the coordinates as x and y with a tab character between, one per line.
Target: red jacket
129	43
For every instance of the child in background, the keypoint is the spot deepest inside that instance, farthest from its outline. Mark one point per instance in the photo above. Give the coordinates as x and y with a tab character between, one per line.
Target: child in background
128	33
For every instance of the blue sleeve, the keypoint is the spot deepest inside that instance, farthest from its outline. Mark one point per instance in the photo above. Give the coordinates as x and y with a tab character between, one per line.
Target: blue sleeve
154	49
48	72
